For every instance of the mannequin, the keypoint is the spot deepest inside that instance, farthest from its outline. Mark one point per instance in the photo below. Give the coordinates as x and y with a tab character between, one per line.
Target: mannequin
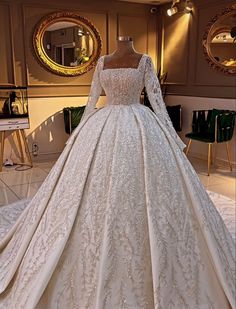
124	56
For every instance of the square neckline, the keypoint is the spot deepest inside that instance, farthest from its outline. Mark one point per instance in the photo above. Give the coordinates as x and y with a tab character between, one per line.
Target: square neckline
128	68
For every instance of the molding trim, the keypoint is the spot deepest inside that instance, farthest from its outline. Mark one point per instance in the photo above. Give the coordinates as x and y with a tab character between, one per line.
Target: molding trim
58	85
12	57
12	46
219	161
179	94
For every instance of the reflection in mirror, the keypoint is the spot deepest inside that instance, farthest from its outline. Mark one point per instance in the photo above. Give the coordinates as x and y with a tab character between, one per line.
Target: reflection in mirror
219	41
67	43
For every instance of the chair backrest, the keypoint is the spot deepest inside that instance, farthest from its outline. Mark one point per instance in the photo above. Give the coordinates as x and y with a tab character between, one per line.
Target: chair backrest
212	114
72	117
225	126
204	122
175	113
200	121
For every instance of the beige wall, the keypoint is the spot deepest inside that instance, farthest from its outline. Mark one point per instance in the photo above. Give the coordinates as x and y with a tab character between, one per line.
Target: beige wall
178	39
191	82
18	19
49	93
182	53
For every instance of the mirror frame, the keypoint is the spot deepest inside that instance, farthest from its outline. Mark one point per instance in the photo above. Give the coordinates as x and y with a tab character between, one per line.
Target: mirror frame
51	65
207	40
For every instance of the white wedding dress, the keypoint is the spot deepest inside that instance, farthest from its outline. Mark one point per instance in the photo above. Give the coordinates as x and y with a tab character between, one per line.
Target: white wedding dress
122	220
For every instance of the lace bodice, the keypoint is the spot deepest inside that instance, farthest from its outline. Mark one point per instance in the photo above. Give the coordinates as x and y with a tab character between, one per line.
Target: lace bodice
124	86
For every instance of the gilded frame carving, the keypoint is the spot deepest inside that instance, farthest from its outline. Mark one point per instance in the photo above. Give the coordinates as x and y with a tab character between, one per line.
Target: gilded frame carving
207	39
47	62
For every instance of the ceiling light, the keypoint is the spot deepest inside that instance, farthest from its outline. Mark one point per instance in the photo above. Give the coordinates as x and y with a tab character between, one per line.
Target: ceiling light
172	11
188	7
80	32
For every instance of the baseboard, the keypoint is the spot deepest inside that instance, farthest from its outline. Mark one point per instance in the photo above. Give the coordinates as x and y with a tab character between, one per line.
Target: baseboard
52	156
44	157
219	161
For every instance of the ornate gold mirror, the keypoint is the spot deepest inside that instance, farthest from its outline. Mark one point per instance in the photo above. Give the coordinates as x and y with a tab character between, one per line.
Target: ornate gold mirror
219	41
66	43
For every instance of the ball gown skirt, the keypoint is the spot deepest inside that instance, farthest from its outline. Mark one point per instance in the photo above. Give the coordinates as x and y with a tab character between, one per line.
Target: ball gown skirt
122	220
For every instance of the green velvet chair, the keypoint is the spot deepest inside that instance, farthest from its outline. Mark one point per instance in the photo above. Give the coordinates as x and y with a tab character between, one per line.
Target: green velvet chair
72	117
212	127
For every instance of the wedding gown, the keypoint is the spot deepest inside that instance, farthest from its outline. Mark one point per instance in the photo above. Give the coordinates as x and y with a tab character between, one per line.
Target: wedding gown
122	220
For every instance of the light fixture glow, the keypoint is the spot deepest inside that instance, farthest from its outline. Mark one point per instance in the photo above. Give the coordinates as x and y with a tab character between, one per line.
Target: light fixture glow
188	7
80	32
172	11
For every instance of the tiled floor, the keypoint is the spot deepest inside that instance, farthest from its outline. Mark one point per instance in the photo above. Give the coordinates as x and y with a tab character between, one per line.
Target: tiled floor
16	185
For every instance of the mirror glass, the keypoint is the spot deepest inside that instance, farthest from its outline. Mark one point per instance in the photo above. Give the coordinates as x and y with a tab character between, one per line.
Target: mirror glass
67	44
220	41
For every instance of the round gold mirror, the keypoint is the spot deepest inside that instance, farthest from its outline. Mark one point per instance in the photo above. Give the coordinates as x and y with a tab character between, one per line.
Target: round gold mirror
66	43
219	41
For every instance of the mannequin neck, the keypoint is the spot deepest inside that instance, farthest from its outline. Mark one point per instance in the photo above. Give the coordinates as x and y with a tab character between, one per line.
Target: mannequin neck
124	48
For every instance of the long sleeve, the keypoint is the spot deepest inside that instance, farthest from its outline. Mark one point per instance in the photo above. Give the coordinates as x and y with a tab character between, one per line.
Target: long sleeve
155	97
95	90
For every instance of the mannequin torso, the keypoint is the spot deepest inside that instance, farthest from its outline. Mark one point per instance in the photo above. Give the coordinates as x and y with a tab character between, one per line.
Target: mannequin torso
124	56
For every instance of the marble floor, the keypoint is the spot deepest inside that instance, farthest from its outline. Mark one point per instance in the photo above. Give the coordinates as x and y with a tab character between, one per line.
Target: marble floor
15	185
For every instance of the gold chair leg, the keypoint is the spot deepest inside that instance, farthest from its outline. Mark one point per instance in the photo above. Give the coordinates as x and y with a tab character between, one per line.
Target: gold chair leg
2	149
212	149
215	154
209	159
228	155
189	144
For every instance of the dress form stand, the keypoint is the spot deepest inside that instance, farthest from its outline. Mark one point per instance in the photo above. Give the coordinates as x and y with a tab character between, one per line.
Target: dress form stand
124	56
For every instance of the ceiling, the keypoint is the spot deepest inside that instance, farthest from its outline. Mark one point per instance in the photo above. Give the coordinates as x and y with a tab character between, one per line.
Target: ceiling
154	2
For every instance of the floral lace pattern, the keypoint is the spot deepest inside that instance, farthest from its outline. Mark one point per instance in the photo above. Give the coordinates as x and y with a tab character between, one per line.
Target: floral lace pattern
122	220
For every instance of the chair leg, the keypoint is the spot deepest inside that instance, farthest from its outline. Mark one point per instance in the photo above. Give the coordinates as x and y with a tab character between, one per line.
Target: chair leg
215	154
228	155
26	147
189	144
212	150
20	146
209	159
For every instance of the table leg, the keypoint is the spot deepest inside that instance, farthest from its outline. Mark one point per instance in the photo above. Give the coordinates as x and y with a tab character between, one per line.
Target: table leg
2	149
20	146
26	147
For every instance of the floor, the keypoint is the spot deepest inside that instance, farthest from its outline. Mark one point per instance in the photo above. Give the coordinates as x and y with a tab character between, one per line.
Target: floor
15	185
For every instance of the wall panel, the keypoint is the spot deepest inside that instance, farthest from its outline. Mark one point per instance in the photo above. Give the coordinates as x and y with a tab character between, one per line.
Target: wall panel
175	44
135	27
37	74
205	75
48	92
182	53
6	52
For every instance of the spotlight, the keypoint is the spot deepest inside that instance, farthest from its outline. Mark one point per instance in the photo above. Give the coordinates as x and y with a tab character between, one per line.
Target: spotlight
80	32
188	7
172	11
